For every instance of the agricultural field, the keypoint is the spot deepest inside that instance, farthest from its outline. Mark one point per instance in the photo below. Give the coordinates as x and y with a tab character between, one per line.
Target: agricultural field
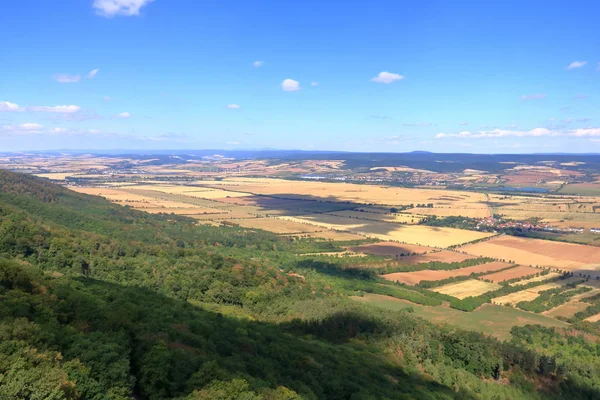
274	225
489	319
536	279
412	234
567	310
390	249
520	271
468	288
593	318
348	192
479	212
445	256
413	278
400	218
564	256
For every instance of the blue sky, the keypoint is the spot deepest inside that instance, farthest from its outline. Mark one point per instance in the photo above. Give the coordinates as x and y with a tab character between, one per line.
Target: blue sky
462	76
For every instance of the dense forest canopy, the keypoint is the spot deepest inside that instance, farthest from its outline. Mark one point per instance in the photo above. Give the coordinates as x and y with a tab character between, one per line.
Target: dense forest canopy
99	301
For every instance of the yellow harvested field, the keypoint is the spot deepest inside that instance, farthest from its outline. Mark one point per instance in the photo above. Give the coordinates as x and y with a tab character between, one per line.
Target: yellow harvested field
397	218
181	211
566	310
274	225
363	194
59	176
512	273
412	234
567	256
471	287
514	298
535	279
480	212
330	235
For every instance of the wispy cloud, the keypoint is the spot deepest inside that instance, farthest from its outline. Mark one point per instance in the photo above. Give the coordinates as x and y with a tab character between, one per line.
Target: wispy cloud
576	64
106	98
537	132
290	85
21	129
584	119
56	109
111	8
92	74
258	64
387	77
233	106
581	96
314	84
417	124
124	115
66	78
533	96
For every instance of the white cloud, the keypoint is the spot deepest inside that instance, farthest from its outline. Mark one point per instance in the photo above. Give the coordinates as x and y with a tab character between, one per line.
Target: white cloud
496	133
290	85
576	64
585	132
92	74
110	8
58	130
66	78
568	120
55	109
124	115
314	84
233	106
533	96
8	106
258	64
30	126
387	77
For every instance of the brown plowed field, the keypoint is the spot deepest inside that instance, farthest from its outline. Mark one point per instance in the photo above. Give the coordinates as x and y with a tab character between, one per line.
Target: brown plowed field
517	272
526	251
441	256
390	249
413	278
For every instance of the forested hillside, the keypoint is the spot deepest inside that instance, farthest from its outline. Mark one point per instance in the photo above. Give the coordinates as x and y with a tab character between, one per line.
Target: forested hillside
99	301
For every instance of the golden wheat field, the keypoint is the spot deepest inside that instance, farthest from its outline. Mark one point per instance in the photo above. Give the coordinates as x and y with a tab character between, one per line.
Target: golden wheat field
413	278
471	287
514	298
567	310
396	218
567	256
362	194
412	234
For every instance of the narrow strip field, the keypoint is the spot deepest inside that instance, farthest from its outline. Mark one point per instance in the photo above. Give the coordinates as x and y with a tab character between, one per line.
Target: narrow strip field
567	310
413	278
445	256
512	273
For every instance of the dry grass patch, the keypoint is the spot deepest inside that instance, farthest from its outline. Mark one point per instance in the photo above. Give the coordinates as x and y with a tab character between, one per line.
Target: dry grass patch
517	297
536	279
471	287
593	318
566	310
413	278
